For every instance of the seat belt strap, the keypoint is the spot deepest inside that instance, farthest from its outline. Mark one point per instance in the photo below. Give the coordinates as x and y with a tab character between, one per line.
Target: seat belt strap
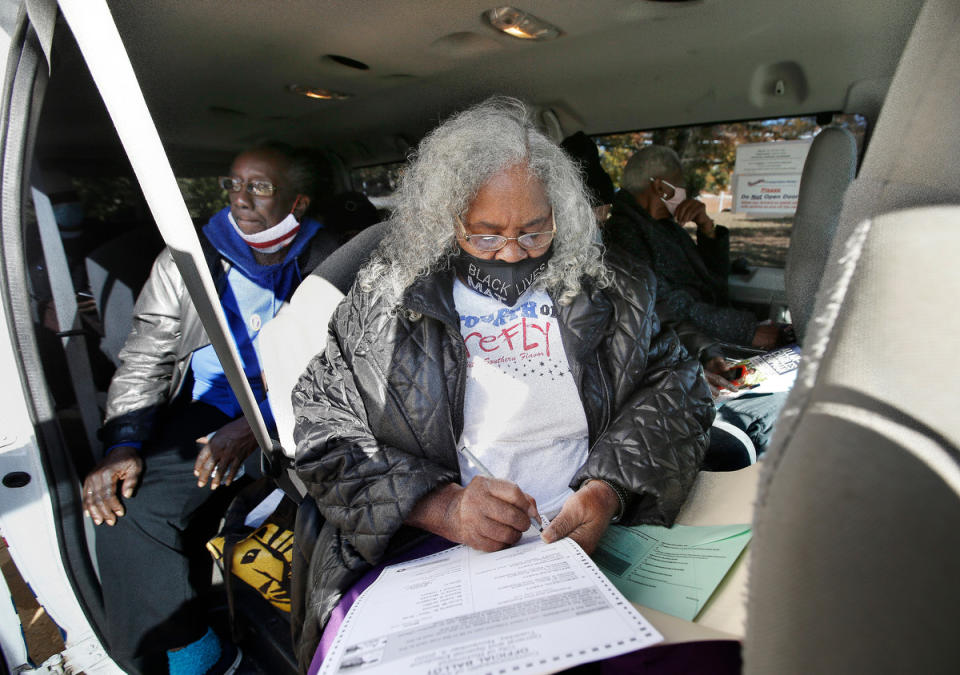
71	332
101	46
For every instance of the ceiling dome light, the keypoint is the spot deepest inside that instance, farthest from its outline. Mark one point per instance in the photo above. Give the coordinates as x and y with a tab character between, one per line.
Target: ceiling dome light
317	92
520	24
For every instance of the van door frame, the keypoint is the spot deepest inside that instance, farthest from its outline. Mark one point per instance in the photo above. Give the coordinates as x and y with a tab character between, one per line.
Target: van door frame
41	513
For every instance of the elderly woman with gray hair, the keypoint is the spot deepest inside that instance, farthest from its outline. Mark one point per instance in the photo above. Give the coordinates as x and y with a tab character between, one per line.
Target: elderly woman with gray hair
489	367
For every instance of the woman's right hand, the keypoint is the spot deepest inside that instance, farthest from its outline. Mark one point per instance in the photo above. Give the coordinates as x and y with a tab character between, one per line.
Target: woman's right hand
489	514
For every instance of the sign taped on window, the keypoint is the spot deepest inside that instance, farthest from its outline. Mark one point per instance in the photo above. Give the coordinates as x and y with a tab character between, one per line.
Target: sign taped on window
766	179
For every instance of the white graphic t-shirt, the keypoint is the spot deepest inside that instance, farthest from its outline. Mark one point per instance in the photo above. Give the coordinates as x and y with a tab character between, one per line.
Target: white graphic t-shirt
523	418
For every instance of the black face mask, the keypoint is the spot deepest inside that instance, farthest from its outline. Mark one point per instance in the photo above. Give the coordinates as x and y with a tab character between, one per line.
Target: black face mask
503	281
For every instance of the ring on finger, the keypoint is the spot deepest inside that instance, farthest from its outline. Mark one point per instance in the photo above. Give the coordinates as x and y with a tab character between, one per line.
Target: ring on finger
214	472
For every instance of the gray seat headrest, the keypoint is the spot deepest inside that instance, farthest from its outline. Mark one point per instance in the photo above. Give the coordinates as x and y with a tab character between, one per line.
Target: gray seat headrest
830	166
912	155
855	551
340	267
117	271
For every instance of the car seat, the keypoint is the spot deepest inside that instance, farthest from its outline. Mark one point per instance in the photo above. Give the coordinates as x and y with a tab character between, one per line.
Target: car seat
830	166
287	344
117	271
299	330
855	552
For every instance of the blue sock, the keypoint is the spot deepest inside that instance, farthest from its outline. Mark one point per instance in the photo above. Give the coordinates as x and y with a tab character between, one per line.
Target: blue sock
197	657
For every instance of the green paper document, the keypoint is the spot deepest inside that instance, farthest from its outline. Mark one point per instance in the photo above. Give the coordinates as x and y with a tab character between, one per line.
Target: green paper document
673	570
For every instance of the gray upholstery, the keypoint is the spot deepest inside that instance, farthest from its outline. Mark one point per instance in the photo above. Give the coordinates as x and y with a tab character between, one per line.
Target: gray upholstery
341	267
830	166
855	563
299	330
912	156
117	271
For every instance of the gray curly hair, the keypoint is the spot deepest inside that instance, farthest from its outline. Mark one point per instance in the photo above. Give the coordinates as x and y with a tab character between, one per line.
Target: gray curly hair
443	177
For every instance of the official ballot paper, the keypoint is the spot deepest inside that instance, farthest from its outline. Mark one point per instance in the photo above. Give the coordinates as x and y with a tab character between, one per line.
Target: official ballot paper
533	608
673	570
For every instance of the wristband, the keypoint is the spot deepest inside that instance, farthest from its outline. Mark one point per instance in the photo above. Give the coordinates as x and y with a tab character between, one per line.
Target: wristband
130	444
621	497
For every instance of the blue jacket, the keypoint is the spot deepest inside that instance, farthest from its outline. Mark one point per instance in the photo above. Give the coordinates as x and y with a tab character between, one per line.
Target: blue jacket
167	330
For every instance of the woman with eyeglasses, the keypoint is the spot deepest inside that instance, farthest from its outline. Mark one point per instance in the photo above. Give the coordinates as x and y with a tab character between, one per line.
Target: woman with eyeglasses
490	368
173	425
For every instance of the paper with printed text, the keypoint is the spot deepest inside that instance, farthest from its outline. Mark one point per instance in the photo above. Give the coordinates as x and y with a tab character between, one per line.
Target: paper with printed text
534	608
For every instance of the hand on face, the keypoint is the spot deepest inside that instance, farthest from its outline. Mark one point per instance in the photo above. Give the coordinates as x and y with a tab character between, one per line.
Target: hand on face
220	457
692	210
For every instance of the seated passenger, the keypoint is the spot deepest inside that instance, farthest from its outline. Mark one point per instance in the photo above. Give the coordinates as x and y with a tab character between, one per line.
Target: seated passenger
488	323
646	222
599	186
173	424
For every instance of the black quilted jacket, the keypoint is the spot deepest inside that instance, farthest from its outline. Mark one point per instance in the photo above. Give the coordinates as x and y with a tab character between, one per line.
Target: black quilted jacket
378	416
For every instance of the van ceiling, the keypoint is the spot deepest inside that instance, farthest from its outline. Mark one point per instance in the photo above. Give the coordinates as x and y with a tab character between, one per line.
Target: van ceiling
215	74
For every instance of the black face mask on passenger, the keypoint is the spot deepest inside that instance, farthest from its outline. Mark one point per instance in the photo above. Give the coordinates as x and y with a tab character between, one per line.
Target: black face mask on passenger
503	281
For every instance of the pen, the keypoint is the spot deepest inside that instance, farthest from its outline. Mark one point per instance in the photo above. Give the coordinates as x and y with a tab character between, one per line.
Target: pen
485	472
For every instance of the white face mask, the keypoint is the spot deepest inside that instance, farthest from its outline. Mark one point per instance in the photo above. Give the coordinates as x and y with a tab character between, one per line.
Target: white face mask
273	238
679	194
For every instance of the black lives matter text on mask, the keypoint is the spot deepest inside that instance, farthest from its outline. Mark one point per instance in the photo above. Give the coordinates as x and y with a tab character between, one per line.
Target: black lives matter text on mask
505	282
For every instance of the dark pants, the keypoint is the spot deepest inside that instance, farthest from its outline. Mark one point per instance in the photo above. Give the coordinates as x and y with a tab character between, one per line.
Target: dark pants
153	562
754	414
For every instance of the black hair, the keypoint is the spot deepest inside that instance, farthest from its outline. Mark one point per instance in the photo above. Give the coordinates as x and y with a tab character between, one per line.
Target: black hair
582	149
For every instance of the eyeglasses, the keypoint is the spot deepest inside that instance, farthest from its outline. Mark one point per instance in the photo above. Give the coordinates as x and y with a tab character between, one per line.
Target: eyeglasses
258	188
488	243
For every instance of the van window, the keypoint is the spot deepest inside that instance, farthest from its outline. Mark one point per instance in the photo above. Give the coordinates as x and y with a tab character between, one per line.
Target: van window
203	197
117	199
709	156
109	199
377	181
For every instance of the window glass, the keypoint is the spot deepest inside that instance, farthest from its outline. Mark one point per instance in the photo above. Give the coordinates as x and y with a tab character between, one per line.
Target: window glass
203	197
709	156
117	199
377	181
109	199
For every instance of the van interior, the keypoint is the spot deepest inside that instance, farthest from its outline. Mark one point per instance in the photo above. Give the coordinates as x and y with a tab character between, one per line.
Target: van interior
360	84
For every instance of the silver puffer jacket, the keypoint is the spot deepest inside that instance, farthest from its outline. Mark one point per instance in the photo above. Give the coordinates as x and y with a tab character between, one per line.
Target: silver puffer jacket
379	414
166	331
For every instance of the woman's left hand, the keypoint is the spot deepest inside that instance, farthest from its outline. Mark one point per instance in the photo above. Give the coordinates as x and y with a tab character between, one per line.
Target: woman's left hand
584	516
221	456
